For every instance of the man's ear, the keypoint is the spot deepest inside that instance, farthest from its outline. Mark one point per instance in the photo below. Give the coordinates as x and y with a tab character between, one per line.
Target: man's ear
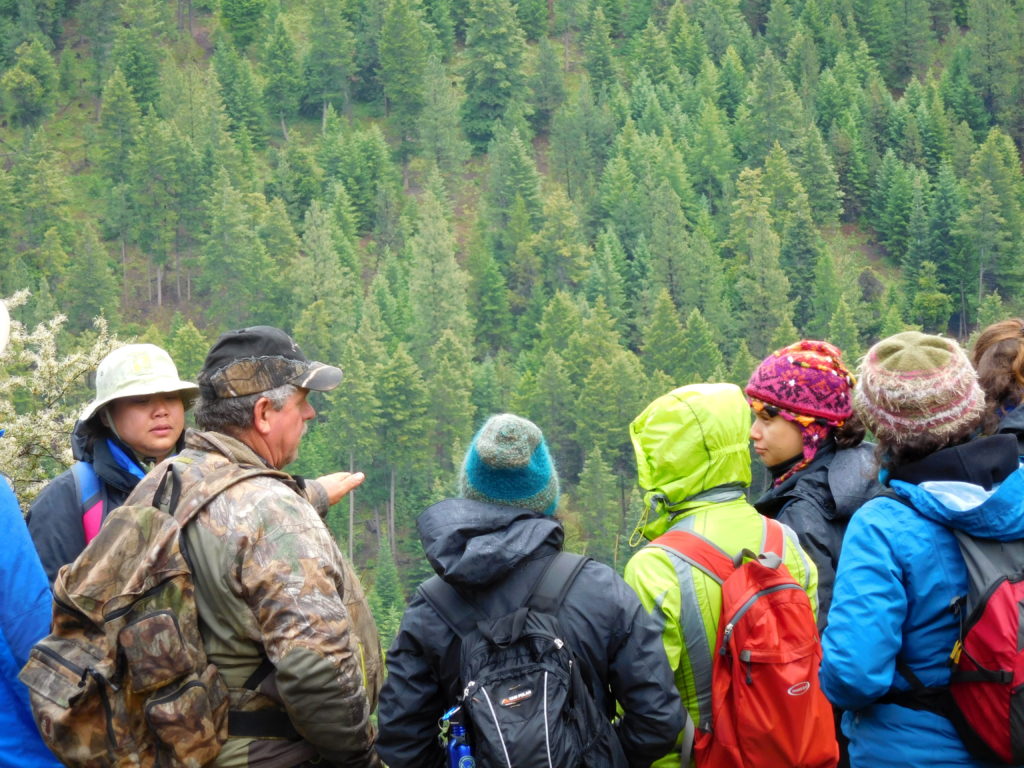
260	422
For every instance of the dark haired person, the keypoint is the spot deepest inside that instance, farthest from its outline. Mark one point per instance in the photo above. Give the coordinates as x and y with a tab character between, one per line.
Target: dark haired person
901	570
807	435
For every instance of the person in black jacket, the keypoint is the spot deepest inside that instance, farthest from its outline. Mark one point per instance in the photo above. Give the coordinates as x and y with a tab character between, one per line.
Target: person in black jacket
810	440
491	545
136	420
998	357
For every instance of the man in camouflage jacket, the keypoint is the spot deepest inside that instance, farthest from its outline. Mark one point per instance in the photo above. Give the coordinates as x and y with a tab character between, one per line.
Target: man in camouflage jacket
283	615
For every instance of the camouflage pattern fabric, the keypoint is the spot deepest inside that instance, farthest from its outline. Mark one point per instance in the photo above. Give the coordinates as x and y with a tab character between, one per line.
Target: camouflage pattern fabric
271	582
123	678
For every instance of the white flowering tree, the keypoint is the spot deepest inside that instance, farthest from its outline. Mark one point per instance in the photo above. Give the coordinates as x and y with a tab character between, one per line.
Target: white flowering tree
41	392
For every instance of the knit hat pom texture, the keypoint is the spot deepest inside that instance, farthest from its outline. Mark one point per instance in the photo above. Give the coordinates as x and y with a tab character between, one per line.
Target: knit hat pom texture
913	383
508	463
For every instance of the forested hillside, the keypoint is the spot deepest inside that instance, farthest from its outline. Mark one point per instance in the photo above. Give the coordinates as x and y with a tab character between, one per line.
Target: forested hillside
558	207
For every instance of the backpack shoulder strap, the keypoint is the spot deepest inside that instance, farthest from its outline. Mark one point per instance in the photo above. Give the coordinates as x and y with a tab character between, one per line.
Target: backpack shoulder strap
698	552
207	488
554	583
774	537
89	493
452	607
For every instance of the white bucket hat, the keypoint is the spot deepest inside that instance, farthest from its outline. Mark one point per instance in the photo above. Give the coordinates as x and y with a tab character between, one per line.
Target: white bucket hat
133	370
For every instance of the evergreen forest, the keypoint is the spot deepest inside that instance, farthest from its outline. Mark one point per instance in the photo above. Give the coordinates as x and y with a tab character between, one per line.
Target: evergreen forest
562	208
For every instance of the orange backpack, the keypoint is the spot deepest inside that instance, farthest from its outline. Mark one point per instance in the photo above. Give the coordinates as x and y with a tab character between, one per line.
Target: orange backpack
767	708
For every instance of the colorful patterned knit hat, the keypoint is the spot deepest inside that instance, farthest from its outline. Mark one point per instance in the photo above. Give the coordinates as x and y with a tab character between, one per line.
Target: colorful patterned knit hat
807	384
913	383
508	463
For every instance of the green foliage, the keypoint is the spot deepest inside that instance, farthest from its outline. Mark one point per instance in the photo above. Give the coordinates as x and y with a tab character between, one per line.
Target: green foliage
663	192
30	86
243	19
494	79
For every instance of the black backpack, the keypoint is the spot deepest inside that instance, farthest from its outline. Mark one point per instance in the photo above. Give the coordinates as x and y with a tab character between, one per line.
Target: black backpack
524	693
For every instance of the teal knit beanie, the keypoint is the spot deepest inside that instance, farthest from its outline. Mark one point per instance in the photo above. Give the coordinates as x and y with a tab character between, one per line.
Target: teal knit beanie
508	463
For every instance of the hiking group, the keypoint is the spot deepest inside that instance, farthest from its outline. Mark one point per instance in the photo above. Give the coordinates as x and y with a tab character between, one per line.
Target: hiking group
176	599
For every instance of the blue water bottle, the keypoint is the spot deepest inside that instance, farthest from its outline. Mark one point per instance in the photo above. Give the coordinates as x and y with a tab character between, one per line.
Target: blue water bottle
460	754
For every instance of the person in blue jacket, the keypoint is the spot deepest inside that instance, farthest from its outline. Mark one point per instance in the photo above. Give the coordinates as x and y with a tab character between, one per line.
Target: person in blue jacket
901	570
25	610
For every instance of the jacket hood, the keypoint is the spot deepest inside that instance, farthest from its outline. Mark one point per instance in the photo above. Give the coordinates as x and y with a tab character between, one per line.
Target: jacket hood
80	439
473	543
853	479
687	443
1013	423
983	500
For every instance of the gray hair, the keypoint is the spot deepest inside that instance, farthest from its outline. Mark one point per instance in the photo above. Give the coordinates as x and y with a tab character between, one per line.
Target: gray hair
232	415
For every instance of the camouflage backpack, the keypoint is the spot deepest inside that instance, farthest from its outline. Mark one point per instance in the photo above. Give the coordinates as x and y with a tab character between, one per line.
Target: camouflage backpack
123	679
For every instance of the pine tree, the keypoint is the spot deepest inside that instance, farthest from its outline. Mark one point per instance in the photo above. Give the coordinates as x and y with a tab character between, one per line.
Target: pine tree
449	385
701	357
488	295
387	604
992	54
402	428
772	111
138	57
548	397
598	58
188	347
762	288
613	392
494	79
819	177
243	20
437	284
597	499
843	331
664	339
404	48
242	99
512	176
284	82
560	244
93	288
330	60
119	125
30	86
439	127
547	85
236	272
931	307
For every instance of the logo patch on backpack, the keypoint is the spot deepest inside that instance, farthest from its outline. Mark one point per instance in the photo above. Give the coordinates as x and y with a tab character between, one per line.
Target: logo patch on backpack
515	699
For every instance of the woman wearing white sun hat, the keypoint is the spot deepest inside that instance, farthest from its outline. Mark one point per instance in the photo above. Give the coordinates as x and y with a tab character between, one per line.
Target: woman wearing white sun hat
136	420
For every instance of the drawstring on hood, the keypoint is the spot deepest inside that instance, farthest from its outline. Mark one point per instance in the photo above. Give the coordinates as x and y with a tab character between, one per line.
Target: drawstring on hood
691	445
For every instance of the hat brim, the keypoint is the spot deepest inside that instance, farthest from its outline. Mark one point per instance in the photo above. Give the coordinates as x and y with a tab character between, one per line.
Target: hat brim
318	376
188	390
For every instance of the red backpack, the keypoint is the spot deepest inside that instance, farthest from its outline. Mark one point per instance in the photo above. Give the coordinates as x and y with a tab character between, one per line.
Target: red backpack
767	709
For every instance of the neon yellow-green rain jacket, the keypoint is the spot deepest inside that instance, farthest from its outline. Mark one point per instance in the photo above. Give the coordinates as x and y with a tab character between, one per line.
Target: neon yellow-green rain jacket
693	464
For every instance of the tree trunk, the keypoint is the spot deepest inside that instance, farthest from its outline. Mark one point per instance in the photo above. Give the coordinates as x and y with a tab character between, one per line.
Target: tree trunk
159	285
391	513
351	510
284	128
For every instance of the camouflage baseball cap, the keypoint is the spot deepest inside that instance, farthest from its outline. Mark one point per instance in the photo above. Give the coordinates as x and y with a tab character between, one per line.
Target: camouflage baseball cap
259	358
